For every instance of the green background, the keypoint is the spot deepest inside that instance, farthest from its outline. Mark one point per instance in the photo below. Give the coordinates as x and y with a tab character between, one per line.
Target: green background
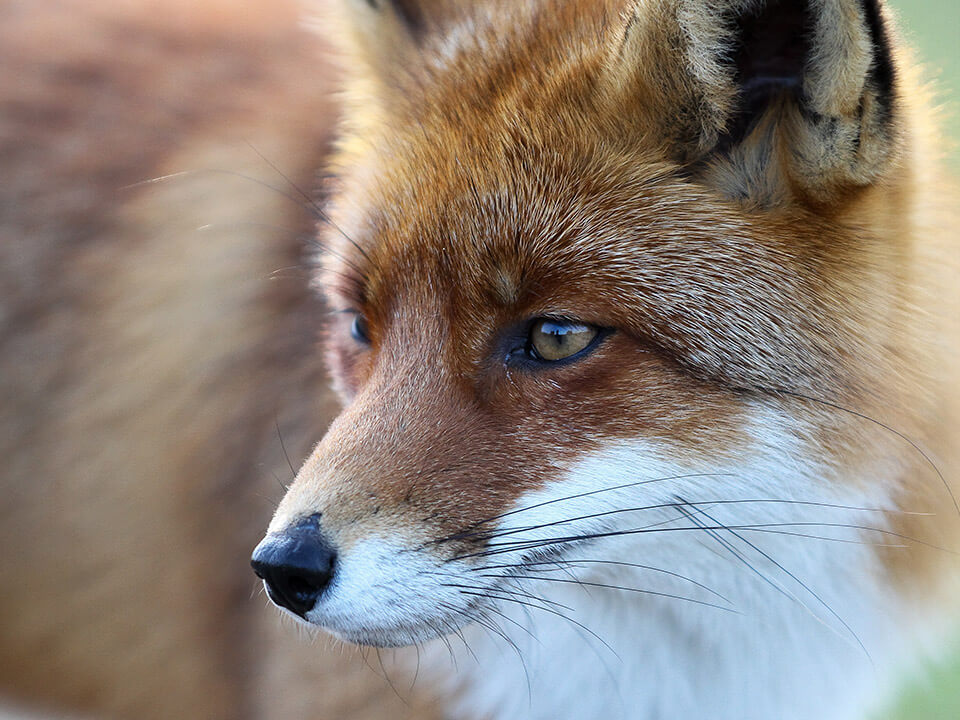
933	28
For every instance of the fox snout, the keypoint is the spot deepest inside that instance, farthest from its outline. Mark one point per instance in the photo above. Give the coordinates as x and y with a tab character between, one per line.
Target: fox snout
296	565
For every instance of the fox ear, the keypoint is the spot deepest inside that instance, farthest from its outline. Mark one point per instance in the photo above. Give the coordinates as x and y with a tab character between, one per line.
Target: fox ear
409	12
770	98
382	36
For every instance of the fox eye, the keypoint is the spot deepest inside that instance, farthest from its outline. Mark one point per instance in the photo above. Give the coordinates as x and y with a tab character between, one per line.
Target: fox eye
359	330
552	340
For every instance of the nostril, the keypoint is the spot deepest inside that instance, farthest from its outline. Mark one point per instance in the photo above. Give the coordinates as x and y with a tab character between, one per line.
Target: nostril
304	592
300	586
296	566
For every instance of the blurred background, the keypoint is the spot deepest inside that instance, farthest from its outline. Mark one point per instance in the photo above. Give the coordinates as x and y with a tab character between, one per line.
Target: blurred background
160	373
933	28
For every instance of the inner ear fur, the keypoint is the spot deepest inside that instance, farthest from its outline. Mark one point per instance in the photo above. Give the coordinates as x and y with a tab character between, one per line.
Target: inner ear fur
767	99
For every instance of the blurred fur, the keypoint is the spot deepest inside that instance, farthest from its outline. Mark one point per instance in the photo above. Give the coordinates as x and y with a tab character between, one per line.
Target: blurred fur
154	339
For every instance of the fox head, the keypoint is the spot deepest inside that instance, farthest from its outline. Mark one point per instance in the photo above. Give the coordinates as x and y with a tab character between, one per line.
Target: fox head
606	277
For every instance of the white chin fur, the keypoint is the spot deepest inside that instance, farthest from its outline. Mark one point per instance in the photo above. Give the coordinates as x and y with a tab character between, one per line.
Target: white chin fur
387	595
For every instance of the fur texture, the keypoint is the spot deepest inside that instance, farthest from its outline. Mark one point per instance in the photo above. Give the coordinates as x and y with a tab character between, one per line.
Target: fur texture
504	158
730	498
153	338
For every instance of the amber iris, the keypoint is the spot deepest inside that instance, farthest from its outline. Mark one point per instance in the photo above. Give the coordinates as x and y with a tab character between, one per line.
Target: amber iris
553	340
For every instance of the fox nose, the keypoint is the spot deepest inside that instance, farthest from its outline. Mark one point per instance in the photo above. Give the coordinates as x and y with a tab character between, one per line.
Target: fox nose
296	565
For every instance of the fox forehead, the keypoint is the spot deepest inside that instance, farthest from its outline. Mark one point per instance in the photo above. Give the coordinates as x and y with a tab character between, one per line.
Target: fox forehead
508	185
619	240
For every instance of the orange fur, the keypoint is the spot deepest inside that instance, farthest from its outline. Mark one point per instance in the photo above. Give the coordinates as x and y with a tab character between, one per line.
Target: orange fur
500	162
529	168
497	161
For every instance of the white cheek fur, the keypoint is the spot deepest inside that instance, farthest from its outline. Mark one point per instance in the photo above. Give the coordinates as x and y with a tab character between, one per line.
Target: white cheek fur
748	584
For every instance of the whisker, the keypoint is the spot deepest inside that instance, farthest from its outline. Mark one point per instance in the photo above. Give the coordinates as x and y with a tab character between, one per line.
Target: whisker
656	593
888	428
320	214
802	584
159	179
217	226
723	542
510	620
310	207
500	548
577	563
293	473
520	592
324	248
386	676
416	673
492	628
659	506
487	594
461	534
446	641
845	541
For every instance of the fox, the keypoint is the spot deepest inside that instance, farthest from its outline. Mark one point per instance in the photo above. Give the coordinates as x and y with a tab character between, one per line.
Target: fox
643	315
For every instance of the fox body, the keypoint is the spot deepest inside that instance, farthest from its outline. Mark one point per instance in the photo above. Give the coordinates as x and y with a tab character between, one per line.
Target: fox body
154	341
645	321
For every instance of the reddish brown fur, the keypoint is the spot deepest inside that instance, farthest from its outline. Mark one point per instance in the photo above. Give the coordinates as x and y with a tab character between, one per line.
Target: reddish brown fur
510	183
102	384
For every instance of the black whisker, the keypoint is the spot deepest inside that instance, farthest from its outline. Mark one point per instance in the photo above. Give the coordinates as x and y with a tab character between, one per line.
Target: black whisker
499	548
488	595
577	563
520	592
728	546
416	673
888	428
796	579
492	628
825	538
466	532
293	473
318	211
386	676
587	583
324	248
659	506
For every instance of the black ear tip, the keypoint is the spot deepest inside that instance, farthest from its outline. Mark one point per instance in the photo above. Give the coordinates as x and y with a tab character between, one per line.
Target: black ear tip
409	12
882	72
773	51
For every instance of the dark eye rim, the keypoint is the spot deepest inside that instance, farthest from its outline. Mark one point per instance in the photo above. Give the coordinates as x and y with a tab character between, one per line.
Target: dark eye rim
524	355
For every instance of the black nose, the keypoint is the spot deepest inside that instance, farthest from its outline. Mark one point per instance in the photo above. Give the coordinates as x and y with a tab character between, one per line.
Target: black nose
296	565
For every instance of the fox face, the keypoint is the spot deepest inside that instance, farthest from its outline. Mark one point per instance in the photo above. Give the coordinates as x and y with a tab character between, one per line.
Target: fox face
618	293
